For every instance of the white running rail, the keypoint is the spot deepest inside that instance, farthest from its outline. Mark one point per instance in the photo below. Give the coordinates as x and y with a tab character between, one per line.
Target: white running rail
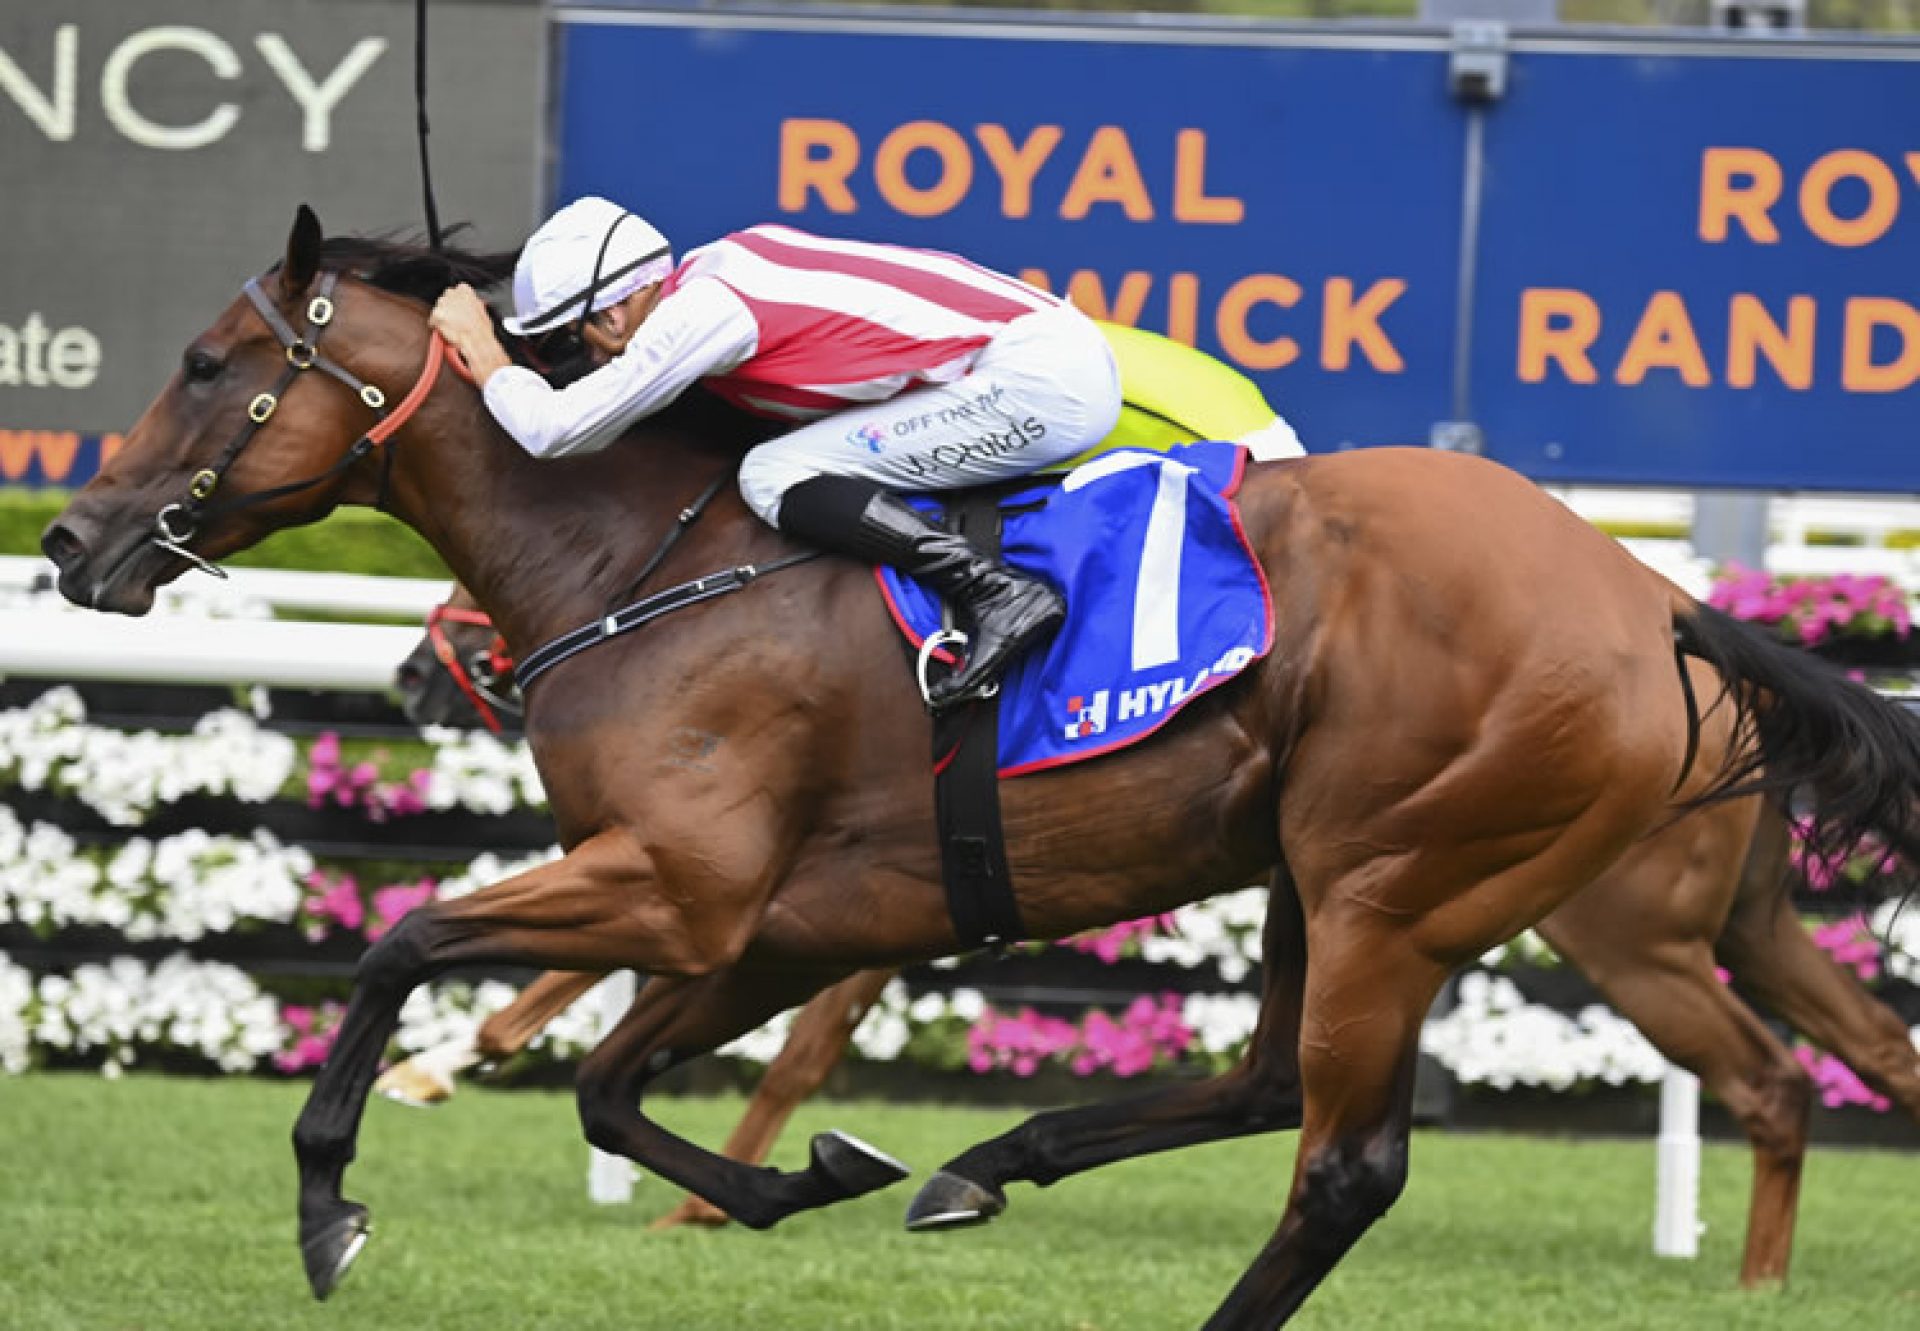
174	649
287	589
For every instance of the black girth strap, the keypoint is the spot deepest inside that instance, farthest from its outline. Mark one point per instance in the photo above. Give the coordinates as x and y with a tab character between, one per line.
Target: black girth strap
966	788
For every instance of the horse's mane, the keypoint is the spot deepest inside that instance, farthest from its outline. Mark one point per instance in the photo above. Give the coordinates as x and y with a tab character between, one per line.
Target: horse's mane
408	267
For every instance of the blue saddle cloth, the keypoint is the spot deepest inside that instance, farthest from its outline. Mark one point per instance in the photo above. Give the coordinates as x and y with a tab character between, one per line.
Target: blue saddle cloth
1165	600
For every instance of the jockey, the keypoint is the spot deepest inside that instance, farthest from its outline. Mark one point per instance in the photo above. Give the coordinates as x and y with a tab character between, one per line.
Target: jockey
899	369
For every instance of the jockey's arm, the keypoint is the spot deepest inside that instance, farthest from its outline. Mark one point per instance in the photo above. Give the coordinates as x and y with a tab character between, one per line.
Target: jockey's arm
703	328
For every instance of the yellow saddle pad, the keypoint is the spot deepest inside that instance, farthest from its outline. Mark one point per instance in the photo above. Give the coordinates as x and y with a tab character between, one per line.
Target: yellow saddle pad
1174	394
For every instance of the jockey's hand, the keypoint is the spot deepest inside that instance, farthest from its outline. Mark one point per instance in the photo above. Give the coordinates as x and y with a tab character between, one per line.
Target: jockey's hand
461	317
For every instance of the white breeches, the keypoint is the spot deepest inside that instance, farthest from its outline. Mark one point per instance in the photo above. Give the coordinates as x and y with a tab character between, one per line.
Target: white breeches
1043	390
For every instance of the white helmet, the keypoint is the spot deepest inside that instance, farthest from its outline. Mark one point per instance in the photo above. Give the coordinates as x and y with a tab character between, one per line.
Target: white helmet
591	254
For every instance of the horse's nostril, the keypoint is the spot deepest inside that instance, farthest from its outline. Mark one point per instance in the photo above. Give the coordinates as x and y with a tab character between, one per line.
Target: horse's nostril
408	677
60	545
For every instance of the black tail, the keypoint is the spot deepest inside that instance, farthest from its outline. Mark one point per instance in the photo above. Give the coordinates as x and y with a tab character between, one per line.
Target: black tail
1850	758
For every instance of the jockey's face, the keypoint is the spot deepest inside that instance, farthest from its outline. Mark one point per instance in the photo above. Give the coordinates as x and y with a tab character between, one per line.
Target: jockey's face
608	332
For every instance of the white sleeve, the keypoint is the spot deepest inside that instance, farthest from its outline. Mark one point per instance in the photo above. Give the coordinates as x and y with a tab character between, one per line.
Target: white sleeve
703	328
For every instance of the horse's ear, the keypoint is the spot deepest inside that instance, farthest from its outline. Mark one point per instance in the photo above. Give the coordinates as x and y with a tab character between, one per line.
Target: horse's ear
303	254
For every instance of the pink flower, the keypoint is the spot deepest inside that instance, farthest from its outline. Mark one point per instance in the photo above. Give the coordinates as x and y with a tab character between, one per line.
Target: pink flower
390	903
409	797
313	1031
332	901
1112	943
323	768
1836	1082
1811	610
1150	1031
1851	943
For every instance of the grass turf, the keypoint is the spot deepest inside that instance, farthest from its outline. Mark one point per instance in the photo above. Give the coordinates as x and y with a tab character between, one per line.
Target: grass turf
156	1203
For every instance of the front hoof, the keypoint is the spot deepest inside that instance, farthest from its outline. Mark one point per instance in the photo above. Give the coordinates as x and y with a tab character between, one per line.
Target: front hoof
328	1247
949	1202
855	1167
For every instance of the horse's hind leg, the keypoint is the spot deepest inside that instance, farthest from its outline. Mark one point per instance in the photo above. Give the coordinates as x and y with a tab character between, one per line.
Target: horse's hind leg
814	1048
1784	970
1643	933
1668	989
1368	989
1399	883
673	1020
1259	1094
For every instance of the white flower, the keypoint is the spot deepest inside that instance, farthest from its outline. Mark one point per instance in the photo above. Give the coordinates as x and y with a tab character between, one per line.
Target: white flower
16	991
115	1009
124	776
1223	931
1221	1023
763	1045
967	1004
1528	949
488	869
475	771
1494	1036
180	888
1898	922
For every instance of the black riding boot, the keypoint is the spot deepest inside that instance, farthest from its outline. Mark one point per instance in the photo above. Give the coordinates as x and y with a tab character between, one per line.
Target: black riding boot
1006	611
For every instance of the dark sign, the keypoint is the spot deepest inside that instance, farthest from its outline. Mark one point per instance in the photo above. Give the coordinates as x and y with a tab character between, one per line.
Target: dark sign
152	155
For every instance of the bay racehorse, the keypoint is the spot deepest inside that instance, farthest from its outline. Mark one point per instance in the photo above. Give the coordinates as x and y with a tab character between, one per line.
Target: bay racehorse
1475	703
1712	886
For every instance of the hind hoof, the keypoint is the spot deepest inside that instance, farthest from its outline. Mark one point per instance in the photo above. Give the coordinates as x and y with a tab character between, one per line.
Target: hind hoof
405	1084
328	1249
855	1167
950	1202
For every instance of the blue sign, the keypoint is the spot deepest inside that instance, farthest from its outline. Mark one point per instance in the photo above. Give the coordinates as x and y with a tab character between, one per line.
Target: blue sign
1696	262
1711	282
1288	207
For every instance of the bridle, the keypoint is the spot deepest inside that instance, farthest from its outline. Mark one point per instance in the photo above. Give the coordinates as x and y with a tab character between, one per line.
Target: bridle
178	523
485	677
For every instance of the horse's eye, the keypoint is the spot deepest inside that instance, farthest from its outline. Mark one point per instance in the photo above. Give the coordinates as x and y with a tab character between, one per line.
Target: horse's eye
200	367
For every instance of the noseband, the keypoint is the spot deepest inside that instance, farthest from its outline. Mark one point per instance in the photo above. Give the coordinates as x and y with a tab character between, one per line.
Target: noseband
480	675
176	524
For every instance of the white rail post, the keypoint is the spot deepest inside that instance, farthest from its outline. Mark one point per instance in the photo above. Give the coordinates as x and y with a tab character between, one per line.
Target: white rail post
1676	1215
610	1177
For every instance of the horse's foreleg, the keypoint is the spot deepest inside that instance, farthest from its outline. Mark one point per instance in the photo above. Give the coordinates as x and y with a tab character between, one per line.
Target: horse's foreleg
674	1020
427	1077
599	908
814	1048
1259	1094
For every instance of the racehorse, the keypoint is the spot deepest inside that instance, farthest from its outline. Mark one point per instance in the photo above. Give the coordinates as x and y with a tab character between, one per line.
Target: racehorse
1475	703
1714	885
